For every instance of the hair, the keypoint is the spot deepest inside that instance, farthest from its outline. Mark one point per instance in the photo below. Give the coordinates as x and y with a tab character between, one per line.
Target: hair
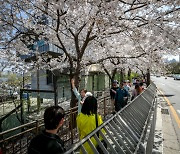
89	106
137	87
52	117
141	84
83	90
115	81
121	84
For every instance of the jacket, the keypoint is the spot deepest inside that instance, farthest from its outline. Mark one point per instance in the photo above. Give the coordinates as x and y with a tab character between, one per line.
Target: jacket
78	96
86	124
46	143
119	98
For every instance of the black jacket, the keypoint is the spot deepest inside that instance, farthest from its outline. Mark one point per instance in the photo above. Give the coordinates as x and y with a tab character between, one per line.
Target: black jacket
112	94
46	143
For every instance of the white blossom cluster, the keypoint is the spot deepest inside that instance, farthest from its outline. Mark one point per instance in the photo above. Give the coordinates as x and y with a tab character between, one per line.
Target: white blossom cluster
113	33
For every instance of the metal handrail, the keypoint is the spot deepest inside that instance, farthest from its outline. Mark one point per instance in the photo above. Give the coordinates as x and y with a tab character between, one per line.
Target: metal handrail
30	124
124	131
69	134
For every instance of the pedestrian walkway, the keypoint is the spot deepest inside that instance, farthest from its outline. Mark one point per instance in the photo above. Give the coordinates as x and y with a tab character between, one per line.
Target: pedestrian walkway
165	141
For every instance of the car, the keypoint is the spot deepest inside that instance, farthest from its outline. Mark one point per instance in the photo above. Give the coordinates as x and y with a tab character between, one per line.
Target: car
176	77
170	75
158	75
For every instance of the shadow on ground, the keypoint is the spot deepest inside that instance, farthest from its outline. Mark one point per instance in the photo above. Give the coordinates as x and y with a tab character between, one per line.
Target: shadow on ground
165	95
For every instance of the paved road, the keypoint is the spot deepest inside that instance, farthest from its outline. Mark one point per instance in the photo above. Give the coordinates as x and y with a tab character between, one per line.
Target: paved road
170	88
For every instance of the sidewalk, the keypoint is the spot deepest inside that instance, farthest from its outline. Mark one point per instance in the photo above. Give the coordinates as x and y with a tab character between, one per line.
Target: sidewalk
165	141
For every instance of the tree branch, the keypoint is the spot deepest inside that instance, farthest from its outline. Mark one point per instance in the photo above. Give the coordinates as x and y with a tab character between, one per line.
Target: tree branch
115	57
88	38
135	8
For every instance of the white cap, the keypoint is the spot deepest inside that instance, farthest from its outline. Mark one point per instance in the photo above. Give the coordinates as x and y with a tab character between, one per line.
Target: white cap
88	94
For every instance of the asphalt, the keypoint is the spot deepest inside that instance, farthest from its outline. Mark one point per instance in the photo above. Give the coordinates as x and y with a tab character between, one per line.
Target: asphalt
165	141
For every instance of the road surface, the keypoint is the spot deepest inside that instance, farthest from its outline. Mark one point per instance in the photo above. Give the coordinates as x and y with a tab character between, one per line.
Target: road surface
170	90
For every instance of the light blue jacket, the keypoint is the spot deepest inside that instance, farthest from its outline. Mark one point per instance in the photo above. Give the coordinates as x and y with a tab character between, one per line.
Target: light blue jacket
78	96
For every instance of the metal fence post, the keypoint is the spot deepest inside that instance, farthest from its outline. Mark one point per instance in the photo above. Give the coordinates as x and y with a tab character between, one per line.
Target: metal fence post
37	127
104	105
71	125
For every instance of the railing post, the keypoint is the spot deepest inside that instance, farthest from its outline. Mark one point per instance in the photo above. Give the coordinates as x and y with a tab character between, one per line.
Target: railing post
104	103
3	108
20	146
1	127
37	127
71	125
22	109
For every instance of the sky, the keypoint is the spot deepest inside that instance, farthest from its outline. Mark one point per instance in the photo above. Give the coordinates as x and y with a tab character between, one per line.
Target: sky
170	57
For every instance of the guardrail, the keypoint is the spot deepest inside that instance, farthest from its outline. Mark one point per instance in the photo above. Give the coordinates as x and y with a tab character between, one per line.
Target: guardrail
19	141
20	136
126	132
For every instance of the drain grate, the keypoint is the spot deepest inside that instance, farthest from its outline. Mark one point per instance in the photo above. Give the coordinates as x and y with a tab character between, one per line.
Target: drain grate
164	111
163	105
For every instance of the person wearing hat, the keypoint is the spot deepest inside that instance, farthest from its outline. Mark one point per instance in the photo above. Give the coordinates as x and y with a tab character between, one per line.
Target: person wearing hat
120	97
113	92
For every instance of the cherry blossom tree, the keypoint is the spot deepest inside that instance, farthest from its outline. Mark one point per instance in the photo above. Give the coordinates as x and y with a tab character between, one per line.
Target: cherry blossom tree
88	31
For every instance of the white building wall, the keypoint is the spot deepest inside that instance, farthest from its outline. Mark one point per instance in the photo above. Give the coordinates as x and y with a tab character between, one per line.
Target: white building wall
42	84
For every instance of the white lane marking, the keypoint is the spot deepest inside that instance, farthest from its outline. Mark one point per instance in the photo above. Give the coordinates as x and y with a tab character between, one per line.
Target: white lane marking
178	111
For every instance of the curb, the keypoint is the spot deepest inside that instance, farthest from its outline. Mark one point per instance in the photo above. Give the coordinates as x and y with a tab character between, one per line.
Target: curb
158	135
165	140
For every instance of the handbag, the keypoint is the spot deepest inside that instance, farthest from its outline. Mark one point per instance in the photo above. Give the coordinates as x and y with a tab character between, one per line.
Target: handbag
103	142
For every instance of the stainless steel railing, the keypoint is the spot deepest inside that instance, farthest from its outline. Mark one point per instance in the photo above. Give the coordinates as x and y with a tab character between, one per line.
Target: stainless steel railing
126	131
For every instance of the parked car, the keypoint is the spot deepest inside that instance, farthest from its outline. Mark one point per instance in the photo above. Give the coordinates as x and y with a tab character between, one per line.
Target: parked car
170	75
176	77
158	75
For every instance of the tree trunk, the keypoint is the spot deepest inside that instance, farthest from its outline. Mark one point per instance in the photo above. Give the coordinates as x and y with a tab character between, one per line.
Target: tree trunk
148	77
55	90
121	76
38	94
129	74
113	75
73	103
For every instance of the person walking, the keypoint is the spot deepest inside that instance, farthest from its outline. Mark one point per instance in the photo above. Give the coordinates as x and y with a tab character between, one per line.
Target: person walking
136	91
113	93
141	86
120	97
126	86
113	89
86	121
48	141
